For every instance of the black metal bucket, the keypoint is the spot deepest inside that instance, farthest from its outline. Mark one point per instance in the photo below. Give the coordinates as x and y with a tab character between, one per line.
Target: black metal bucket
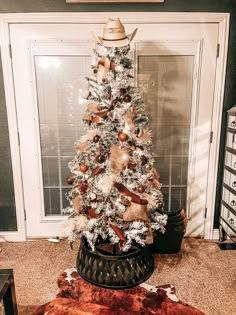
170	242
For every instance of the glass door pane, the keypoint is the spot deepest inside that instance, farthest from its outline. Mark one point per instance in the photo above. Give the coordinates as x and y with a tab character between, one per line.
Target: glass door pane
60	81
167	82
7	194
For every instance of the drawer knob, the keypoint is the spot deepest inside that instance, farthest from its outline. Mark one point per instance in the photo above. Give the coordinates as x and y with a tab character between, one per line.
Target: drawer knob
233	203
233	124
234	164
231	221
234	184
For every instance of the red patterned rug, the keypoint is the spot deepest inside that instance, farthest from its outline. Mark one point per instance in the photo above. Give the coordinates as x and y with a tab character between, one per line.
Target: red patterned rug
78	297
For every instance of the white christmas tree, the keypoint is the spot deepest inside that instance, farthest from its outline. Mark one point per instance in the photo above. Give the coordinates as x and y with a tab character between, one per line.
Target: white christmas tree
115	195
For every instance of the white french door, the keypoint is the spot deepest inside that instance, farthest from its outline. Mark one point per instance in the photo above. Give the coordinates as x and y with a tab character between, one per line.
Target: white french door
175	65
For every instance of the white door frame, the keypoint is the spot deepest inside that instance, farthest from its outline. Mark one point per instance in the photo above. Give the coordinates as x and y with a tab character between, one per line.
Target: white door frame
100	17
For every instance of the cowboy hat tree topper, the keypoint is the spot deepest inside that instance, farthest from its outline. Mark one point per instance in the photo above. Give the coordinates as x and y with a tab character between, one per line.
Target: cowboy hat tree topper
115	191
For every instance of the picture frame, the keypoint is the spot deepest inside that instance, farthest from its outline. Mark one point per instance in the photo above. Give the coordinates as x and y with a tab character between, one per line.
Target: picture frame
113	1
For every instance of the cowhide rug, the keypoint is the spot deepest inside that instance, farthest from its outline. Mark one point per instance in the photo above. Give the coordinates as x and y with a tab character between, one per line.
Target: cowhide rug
78	297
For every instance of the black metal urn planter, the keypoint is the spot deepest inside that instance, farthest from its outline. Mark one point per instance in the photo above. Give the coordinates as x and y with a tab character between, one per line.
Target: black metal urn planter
170	242
121	271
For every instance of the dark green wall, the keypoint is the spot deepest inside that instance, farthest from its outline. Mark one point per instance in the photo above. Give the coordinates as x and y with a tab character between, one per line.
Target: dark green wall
168	5
7	6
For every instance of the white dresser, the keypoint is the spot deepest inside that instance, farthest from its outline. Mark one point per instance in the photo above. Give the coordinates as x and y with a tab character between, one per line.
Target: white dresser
228	205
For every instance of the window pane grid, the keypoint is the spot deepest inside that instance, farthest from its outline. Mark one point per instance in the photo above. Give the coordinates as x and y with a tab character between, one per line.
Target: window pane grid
166	82
60	81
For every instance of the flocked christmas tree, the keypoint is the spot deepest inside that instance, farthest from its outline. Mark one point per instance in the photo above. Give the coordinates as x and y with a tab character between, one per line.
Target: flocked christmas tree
115	195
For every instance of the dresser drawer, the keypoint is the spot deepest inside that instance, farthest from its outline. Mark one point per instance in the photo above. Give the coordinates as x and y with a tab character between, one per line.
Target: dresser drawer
230	160
232	122
229	198
228	221
230	179
231	140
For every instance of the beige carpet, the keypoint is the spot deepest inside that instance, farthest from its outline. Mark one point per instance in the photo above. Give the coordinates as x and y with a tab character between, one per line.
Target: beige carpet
204	275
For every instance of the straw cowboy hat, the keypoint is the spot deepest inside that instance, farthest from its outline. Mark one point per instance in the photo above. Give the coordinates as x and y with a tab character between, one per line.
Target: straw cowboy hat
114	34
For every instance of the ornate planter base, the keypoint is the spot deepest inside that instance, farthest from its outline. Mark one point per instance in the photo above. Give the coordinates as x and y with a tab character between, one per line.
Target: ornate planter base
115	272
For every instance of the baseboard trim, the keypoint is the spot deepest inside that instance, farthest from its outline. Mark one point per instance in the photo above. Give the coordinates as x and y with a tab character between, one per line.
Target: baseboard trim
11	237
